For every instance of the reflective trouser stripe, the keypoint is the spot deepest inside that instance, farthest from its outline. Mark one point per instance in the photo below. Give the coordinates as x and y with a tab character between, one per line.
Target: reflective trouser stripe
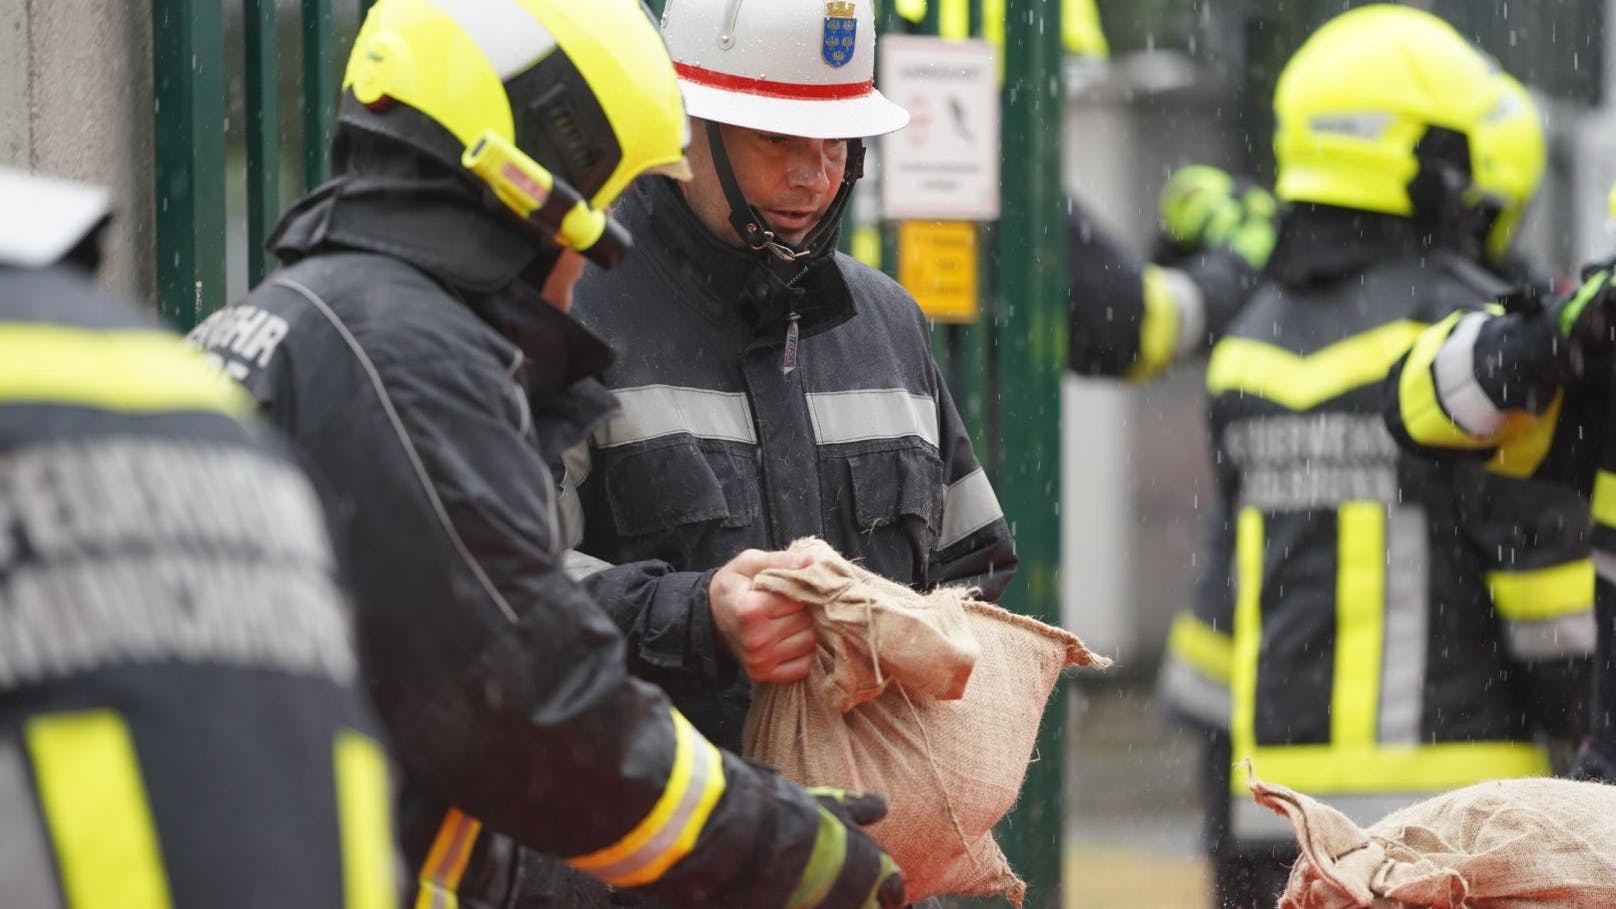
1248	566
1251	821
1360	630
94	802
669	832
129	371
27	877
446	861
363	812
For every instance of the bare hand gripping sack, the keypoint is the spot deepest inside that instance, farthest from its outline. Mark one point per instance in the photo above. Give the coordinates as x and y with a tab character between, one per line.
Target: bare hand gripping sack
932	700
1508	844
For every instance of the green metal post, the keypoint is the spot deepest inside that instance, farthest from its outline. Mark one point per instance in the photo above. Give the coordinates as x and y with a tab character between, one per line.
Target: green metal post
1032	358
320	65
263	135
188	66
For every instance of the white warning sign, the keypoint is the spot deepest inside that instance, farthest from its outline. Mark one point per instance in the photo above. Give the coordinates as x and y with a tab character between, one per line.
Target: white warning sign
945	164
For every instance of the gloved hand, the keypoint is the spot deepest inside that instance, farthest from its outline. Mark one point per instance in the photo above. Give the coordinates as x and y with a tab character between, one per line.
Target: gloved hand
1586	320
1595	763
1204	207
846	869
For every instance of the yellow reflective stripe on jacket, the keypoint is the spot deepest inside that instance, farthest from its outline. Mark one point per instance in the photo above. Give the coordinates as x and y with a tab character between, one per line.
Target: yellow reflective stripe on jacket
94	801
129	371
1603	501
1418	403
1322	770
445	864
1158	326
1301	382
1360	605
363	815
1206	649
668	833
1248	565
1525	440
1543	594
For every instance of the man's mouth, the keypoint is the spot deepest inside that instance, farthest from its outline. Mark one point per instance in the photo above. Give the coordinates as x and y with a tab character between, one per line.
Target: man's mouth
790	220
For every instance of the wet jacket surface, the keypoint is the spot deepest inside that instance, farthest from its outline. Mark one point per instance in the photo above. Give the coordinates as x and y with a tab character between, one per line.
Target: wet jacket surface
725	442
181	712
408	356
1399	627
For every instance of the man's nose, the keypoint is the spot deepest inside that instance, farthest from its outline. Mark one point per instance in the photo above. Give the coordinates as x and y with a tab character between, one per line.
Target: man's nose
810	167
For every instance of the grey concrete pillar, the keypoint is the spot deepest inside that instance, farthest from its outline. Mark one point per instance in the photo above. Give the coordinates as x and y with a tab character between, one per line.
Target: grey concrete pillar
76	102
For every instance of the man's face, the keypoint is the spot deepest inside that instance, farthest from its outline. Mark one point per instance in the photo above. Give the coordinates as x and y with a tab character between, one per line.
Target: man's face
790	179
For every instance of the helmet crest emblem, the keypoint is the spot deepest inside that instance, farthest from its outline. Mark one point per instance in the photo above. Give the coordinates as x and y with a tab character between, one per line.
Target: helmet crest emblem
841	30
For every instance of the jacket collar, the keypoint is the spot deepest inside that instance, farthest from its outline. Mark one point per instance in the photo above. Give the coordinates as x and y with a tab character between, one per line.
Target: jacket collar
1320	243
439	226
725	282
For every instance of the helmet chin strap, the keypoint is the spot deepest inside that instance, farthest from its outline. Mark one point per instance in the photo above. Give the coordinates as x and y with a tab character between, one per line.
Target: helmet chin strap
749	223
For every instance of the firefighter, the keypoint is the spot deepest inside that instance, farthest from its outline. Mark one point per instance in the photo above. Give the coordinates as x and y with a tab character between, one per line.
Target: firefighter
416	350
181	717
774	388
1398	629
1528	392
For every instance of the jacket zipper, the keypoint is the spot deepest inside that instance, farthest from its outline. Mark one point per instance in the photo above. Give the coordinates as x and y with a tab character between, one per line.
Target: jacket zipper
789	361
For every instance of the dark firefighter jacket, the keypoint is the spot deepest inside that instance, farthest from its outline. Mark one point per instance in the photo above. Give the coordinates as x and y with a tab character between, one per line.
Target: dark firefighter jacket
181	722
417	371
1494	388
1133	319
721	444
1399	627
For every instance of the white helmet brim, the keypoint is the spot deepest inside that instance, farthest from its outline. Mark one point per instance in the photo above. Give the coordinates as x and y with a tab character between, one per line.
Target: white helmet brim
43	218
862	116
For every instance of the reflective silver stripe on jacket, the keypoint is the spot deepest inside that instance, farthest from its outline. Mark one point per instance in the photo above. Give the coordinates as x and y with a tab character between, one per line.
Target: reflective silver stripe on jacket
575	463
969	505
653	411
1191	306
27	872
1571	635
1461	395
1407	634
863	415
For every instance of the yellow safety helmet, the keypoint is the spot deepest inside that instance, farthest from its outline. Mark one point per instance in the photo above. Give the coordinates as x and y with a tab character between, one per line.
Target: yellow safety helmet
1374	101
555	105
1510	155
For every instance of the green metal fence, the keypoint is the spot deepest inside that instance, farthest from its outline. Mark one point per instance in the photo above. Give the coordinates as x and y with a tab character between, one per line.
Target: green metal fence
196	165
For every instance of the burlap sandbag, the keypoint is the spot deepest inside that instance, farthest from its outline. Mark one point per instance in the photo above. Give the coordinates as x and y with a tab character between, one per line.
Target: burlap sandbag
1509	844
931	700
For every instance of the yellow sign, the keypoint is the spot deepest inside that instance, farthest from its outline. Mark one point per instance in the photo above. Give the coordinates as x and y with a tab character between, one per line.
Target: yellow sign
937	263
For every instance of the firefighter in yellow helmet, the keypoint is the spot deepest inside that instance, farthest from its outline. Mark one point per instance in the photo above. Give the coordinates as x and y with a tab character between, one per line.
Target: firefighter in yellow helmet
416	349
1398	628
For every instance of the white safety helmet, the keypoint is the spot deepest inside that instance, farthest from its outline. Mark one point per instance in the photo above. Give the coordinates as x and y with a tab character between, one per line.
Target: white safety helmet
795	67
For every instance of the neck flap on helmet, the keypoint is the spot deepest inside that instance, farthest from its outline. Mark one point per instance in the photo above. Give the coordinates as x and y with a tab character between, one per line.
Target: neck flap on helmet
753	229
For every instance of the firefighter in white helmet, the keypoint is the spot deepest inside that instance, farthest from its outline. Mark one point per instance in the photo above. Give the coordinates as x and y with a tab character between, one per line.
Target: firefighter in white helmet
771	388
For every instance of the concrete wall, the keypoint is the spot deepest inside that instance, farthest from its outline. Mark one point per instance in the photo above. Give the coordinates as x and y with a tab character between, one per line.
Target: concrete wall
76	102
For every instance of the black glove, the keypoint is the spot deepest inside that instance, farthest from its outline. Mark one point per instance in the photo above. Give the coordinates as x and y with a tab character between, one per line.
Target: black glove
846	869
1586	320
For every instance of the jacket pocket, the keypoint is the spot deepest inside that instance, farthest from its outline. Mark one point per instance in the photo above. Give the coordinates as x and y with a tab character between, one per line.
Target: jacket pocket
678	485
889	486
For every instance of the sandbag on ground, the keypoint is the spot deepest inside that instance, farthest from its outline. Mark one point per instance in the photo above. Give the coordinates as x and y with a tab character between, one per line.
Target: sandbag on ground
1507	844
932	700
